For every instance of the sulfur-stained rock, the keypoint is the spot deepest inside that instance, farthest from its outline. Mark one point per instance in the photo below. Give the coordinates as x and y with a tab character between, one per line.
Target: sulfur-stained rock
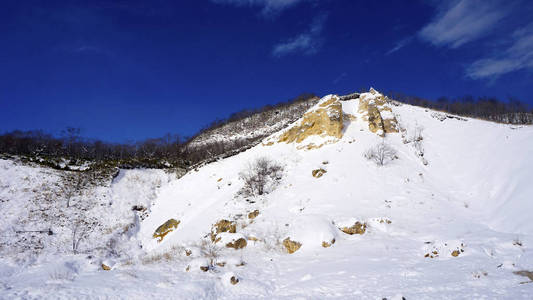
225	226
326	119
374	108
253	214
164	229
318	173
238	244
357	228
328	244
291	246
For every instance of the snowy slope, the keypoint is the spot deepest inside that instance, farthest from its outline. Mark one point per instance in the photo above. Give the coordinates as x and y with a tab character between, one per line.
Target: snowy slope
472	196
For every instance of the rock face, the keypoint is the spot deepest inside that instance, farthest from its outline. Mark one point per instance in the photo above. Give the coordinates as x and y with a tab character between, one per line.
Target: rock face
375	109
291	246
164	229
357	228
323	120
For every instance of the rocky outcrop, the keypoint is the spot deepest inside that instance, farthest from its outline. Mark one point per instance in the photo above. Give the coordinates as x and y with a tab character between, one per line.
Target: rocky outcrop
323	120
165	229
375	109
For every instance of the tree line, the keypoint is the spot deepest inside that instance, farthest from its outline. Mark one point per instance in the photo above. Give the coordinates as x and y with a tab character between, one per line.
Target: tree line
513	111
172	150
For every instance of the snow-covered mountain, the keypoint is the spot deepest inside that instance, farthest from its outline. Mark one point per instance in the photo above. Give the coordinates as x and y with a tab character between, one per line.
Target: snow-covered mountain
361	197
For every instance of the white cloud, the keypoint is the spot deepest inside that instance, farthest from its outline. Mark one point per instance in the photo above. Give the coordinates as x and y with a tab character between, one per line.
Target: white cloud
461	21
400	45
517	56
308	42
269	7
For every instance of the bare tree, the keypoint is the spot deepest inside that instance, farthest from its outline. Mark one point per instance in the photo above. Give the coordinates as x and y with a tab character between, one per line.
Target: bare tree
261	176
80	231
73	185
381	153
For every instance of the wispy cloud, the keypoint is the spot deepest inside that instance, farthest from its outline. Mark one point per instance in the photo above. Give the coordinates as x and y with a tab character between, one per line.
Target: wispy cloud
399	45
461	21
308	42
517	56
268	7
340	77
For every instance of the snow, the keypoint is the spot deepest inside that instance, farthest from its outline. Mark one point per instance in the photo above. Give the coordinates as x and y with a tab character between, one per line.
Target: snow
473	195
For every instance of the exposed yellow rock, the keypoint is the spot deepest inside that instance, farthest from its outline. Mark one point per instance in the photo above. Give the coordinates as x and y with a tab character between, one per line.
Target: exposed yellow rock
105	267
225	226
234	280
318	173
455	253
253	214
222	226
350	117
219	180
525	273
325	120
328	244
374	108
291	246
238	244
164	229
357	228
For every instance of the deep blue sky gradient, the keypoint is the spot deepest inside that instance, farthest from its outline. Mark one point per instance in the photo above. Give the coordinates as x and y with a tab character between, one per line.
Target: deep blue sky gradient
129	70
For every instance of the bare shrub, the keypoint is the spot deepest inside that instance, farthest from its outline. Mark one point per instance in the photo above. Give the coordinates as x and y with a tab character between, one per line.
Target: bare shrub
73	185
261	177
381	154
417	140
62	275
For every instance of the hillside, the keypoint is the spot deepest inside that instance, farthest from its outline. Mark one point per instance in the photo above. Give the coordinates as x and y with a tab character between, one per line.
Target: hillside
447	215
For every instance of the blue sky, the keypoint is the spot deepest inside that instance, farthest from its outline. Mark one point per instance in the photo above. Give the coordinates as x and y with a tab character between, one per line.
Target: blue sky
127	70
